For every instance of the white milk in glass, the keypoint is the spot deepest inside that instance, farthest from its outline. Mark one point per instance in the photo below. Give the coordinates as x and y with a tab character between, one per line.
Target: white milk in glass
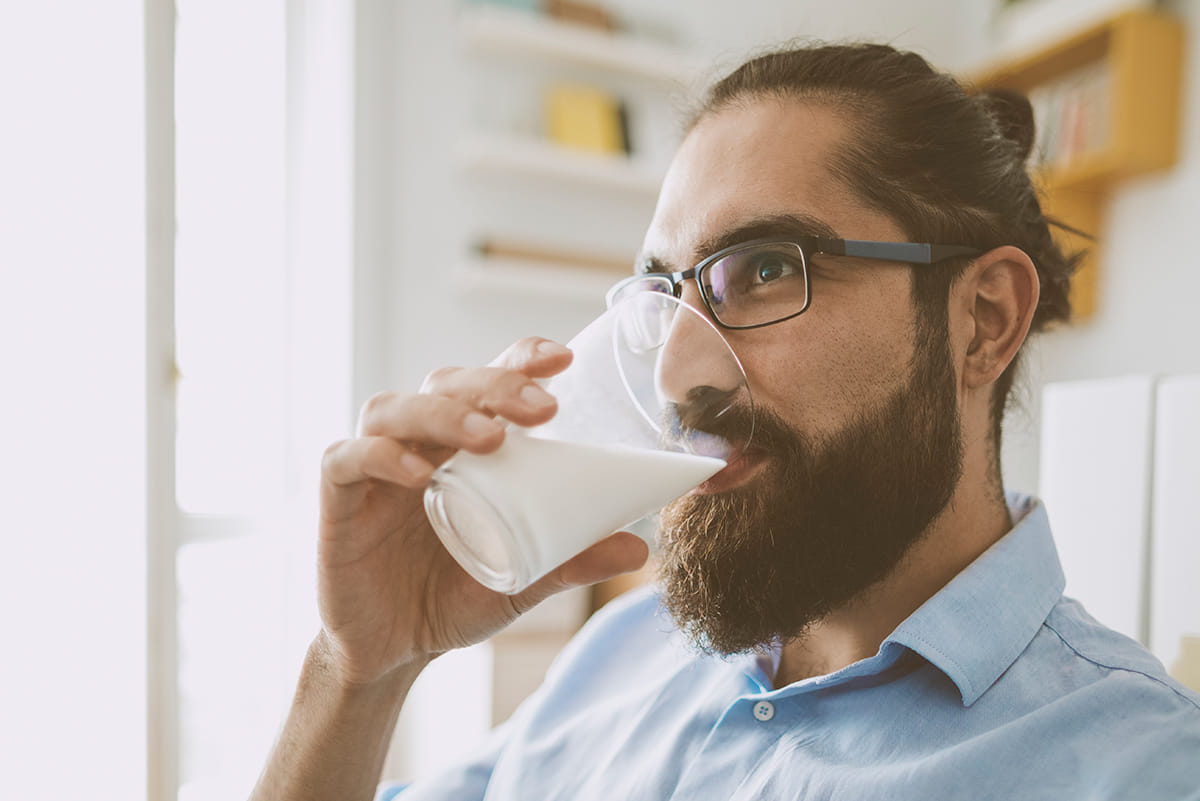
554	498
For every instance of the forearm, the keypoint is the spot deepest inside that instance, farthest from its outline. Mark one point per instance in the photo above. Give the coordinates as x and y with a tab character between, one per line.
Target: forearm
335	738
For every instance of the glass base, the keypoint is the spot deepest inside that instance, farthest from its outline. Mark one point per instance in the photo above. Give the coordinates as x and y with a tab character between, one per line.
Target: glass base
475	533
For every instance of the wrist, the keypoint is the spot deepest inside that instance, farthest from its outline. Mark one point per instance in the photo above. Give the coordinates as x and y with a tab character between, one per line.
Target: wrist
326	662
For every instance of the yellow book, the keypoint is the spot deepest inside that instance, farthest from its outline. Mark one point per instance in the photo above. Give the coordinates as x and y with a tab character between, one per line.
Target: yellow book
584	117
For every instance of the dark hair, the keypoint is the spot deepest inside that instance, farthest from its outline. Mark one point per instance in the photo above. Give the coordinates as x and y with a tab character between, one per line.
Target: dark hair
947	165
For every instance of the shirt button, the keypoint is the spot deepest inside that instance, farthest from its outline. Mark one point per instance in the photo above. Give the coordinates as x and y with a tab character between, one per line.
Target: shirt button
764	710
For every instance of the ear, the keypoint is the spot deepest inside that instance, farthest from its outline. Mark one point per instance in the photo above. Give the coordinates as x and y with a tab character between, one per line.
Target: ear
998	295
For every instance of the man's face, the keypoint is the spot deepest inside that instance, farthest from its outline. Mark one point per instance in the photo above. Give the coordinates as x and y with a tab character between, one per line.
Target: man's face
856	403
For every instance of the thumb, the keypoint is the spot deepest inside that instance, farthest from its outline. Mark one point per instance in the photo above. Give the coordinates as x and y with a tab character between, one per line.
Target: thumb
619	553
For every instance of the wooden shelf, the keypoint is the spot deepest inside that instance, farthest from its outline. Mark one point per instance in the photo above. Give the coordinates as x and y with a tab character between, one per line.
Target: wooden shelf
1142	54
489	275
511	32
517	157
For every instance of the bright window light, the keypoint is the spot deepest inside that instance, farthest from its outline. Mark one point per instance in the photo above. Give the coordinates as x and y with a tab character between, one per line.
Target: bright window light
229	259
231	415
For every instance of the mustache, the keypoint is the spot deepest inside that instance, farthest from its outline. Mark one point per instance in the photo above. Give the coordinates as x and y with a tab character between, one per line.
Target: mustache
724	414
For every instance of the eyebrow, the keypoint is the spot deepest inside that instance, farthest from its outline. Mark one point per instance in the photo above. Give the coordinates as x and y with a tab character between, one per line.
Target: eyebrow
783	226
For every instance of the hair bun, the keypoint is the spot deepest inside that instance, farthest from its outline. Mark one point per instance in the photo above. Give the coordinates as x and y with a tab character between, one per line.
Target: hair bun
1013	115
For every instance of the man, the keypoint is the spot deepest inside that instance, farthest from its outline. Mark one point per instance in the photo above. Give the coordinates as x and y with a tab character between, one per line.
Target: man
854	610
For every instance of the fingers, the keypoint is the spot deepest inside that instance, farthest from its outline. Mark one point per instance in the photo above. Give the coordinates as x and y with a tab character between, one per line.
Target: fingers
506	389
622	552
508	393
354	460
427	420
400	437
536	357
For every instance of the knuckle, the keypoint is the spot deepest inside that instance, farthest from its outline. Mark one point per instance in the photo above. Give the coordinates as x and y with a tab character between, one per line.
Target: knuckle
507	384
443	417
376	451
332	454
372	409
437	378
373	404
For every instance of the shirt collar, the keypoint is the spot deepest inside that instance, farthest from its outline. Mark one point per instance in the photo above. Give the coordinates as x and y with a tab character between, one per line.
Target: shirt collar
976	626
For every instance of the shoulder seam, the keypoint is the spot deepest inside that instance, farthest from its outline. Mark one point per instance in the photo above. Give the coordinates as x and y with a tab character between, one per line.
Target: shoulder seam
1142	673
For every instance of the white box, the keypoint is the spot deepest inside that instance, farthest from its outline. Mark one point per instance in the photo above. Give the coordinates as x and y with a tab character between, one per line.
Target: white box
1175	536
1095	480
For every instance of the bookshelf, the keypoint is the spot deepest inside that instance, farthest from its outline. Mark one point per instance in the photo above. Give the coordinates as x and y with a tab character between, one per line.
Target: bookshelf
1107	105
515	33
517	158
518	61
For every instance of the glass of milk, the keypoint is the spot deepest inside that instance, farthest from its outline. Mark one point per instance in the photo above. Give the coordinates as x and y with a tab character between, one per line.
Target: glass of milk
639	424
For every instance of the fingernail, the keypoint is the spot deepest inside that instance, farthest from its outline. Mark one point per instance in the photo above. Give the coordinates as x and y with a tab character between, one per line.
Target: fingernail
548	348
535	397
480	425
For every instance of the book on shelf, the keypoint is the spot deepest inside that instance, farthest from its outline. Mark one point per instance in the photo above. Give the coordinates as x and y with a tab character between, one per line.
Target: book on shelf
586	118
589	15
1072	116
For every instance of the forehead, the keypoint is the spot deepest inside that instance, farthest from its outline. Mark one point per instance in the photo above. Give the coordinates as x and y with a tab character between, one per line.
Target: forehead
757	160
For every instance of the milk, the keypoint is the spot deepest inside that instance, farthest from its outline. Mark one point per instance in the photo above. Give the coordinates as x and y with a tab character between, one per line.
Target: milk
511	516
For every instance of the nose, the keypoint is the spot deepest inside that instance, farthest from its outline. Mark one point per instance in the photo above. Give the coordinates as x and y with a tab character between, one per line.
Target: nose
696	370
688	292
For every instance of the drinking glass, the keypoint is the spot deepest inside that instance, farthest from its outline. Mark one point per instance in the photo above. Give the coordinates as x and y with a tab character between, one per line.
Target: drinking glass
644	416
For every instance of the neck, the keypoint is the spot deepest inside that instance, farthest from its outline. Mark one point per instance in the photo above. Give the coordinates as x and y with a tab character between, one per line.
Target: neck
975	518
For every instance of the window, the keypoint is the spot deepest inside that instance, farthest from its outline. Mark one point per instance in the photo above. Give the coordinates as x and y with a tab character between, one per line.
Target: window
257	308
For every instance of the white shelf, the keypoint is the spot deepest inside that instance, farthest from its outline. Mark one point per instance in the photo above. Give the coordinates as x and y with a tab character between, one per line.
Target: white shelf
485	275
507	31
494	154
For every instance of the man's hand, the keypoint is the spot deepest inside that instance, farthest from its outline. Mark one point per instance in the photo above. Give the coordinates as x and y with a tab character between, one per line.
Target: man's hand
390	594
391	597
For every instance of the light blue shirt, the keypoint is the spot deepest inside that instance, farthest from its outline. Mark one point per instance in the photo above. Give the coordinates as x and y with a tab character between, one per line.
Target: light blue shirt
998	687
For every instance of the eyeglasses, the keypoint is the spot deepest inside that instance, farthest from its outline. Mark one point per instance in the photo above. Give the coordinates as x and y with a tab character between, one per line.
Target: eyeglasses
765	281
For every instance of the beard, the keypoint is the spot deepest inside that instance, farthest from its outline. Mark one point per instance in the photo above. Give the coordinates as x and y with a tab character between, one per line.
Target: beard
825	521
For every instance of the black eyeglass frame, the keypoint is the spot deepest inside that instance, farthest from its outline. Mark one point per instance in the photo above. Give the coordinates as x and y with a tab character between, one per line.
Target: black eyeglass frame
809	246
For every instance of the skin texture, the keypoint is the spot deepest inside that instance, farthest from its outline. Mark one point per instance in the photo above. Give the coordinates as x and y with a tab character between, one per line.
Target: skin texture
391	599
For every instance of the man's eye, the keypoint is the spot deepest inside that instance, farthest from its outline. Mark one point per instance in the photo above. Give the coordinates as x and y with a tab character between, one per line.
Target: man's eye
772	268
768	271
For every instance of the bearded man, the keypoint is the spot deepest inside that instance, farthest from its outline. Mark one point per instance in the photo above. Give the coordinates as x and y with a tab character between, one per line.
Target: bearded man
853	609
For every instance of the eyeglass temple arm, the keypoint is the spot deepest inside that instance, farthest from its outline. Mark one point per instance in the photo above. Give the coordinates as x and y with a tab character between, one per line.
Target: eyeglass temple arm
909	252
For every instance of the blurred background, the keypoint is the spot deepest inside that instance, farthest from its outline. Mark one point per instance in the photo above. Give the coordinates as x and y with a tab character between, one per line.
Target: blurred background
224	225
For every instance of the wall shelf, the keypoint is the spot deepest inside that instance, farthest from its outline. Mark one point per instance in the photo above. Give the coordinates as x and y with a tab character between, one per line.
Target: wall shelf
518	59
490	275
1141	55
493	29
519	157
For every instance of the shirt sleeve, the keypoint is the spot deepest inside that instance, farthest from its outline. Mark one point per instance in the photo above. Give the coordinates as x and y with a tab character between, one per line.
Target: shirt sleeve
581	669
467	781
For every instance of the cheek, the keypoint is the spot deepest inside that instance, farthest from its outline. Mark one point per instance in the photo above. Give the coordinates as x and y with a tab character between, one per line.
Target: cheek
817	373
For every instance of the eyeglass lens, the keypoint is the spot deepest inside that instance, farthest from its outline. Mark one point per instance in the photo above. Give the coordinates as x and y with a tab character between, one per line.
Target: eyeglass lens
757	285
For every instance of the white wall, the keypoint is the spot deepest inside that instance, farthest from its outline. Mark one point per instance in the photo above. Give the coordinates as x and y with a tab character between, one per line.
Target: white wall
1146	320
948	32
